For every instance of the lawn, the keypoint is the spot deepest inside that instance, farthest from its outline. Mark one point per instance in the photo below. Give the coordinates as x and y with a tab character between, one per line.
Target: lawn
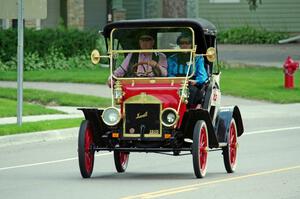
259	83
8	108
96	75
40	98
9	129
55	98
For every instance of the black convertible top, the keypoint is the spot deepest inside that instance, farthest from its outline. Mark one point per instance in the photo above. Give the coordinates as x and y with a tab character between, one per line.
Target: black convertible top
199	25
205	31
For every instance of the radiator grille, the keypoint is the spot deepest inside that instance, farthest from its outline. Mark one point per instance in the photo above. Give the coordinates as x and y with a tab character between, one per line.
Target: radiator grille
142	120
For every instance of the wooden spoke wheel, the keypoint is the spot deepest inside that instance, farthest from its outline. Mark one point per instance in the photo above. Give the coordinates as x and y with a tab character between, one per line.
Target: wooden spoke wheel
199	148
85	151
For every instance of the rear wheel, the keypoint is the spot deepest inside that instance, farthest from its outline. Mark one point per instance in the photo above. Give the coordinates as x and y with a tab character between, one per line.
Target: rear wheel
121	160
85	151
199	148
230	151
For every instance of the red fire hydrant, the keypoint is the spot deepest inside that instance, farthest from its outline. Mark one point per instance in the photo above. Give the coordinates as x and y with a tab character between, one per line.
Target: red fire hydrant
290	66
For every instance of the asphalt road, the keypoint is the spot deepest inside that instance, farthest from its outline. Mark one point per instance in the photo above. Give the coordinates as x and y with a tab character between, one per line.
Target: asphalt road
268	166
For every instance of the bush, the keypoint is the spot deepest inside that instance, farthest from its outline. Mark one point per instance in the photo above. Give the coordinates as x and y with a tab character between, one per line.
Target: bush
55	60
250	35
49	48
68	42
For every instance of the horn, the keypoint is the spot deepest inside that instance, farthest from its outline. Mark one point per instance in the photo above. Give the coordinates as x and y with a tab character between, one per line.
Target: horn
95	56
211	54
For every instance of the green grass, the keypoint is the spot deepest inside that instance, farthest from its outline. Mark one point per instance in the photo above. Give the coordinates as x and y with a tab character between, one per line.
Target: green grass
254	83
9	129
55	98
8	108
98	75
259	83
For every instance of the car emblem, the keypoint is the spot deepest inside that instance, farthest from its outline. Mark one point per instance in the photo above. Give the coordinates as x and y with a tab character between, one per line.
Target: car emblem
131	130
140	115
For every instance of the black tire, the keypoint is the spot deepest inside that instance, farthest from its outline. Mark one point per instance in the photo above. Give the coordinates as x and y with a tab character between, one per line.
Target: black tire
199	148
85	154
121	160
230	151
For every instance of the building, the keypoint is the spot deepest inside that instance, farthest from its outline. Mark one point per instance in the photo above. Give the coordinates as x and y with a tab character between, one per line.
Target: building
272	15
82	14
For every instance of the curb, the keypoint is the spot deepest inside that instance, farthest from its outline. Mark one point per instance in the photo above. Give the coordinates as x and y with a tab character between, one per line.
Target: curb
42	136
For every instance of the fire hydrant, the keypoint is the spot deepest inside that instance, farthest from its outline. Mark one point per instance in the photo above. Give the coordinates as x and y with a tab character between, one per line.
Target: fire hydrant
290	66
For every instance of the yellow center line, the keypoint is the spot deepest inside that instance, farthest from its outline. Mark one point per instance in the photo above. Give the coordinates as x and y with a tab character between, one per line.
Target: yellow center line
192	187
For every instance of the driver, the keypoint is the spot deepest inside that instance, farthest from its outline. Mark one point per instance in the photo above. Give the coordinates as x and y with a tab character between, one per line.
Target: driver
143	64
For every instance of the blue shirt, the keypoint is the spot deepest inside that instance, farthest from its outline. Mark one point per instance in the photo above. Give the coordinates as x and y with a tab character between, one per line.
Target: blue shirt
175	69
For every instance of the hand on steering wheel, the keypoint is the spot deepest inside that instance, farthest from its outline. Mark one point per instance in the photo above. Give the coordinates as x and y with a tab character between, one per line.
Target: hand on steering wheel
151	63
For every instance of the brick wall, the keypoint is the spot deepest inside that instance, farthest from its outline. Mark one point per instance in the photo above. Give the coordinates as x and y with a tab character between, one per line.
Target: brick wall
75	13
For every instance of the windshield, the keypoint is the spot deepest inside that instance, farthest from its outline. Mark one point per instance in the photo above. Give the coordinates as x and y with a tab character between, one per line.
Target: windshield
152	52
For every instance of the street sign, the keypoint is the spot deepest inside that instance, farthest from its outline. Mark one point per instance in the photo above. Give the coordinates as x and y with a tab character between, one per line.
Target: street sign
33	9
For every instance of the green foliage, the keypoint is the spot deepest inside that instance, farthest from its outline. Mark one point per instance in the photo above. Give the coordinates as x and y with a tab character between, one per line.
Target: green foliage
8	108
69	42
259	83
97	75
101	46
47	48
9	129
249	35
55	98
55	60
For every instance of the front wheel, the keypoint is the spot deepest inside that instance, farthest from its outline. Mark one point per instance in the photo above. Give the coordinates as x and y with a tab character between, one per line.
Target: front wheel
199	148
230	151
85	151
121	160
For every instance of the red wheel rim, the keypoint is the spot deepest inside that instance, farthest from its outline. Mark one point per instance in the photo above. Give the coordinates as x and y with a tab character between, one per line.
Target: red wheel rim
232	144
88	153
123	158
203	149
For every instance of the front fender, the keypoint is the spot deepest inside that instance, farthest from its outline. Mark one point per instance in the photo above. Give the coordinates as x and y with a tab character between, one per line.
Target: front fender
93	115
189	120
224	117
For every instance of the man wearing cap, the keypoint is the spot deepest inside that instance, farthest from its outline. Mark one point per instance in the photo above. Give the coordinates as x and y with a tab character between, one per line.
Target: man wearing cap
143	64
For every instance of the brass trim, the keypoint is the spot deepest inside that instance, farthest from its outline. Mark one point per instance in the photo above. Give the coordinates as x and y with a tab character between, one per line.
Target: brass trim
118	89
95	56
142	98
192	51
161	80
210	54
153	51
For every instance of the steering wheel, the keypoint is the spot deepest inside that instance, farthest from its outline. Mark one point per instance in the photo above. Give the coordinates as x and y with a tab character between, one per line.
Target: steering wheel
141	74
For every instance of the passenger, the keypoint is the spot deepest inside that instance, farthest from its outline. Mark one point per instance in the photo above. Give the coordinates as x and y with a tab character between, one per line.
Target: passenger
143	64
178	67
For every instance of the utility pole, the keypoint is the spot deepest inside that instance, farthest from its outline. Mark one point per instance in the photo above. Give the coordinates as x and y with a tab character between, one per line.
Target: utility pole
20	61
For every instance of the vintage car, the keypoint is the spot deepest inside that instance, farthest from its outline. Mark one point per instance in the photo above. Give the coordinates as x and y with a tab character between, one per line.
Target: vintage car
150	113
